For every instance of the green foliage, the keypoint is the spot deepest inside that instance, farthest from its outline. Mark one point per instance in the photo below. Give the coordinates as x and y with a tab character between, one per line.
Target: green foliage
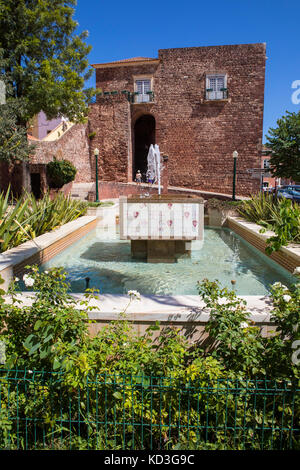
28	217
60	172
286	316
284	143
215	203
239	344
287	227
13	137
281	216
100	204
44	61
92	135
262	208
121	390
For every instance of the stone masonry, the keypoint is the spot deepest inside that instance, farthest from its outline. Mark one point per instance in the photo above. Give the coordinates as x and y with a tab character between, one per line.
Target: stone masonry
198	135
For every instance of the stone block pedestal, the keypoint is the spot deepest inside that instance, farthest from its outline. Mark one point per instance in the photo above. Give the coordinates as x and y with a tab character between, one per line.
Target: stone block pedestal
160	251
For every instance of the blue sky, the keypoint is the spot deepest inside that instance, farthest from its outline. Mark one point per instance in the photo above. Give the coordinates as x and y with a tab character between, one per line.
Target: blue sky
119	30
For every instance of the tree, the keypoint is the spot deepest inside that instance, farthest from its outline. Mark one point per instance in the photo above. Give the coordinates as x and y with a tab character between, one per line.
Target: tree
284	143
14	144
42	59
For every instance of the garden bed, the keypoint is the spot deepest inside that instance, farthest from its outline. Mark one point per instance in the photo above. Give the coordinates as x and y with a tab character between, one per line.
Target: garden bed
43	248
288	256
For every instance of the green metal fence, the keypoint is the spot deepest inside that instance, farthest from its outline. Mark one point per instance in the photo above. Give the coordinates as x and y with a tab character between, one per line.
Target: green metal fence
41	410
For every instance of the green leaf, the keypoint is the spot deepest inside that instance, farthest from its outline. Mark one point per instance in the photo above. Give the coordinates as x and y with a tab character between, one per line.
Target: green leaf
37	325
118	395
56	364
34	349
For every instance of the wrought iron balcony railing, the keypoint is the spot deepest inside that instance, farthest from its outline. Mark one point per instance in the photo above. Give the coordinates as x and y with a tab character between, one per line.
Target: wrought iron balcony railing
147	97
213	95
135	97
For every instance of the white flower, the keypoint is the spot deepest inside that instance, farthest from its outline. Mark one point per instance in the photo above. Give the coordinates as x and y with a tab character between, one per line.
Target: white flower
29	281
287	298
17	279
297	271
278	284
244	324
46	272
134	294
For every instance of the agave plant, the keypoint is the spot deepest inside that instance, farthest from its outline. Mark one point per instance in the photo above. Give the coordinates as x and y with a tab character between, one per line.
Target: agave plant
279	215
30	217
10	218
261	208
45	214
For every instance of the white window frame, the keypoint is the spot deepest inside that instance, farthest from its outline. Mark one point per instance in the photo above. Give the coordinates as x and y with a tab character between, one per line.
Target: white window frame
216	94
142	97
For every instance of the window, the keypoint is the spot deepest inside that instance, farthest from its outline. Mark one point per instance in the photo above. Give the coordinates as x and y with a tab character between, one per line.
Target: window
266	164
143	90
216	87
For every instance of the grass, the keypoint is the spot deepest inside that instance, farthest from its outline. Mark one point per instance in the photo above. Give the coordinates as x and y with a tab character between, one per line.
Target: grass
100	204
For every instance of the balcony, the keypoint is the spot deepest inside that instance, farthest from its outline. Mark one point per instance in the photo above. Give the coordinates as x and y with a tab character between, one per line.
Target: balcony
212	95
147	97
135	97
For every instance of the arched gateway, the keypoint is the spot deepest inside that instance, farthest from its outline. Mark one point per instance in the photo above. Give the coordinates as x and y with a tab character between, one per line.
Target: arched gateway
144	136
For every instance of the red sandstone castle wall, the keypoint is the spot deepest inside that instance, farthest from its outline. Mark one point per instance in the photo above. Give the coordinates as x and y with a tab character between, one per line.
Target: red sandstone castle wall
109	119
199	137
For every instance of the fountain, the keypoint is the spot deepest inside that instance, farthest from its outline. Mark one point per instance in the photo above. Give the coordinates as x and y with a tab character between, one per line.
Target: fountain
162	227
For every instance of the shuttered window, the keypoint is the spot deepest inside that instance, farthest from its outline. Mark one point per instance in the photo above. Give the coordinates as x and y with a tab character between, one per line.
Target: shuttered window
215	85
142	87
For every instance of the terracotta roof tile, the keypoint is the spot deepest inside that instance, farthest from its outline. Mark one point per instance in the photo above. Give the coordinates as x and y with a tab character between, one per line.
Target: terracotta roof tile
30	137
125	61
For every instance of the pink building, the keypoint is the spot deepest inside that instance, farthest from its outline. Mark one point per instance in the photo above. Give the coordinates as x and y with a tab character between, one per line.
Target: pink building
41	126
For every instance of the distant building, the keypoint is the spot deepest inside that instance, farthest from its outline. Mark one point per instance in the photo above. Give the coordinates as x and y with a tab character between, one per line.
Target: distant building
41	126
268	180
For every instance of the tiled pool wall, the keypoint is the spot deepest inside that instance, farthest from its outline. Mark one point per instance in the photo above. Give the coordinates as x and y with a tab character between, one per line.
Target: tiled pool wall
288	258
54	249
191	326
13	262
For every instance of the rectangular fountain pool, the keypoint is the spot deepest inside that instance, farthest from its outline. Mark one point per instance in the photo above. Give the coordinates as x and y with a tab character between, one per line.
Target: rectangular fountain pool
106	260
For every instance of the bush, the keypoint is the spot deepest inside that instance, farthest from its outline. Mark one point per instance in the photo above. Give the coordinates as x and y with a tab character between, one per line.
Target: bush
60	172
119	390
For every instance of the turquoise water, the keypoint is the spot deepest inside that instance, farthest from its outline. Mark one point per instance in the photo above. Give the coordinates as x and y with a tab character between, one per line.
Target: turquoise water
225	256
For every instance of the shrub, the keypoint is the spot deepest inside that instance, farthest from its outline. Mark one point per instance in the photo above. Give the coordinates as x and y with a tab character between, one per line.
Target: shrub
286	228
60	172
238	344
119	390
